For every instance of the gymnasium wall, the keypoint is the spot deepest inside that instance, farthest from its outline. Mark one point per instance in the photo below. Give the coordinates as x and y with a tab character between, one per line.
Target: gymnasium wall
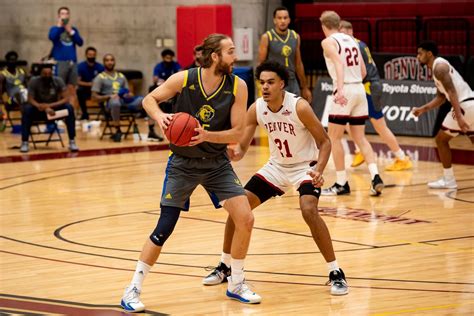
126	28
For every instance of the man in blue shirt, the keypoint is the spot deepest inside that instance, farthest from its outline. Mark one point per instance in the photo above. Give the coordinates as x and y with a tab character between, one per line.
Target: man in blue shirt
65	37
87	71
166	68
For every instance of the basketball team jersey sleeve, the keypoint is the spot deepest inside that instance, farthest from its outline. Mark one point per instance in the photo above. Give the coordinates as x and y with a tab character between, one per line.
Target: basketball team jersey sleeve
289	140
211	110
349	53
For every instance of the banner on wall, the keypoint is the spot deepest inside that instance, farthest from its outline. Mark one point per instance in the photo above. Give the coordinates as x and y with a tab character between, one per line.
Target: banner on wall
399	98
243	43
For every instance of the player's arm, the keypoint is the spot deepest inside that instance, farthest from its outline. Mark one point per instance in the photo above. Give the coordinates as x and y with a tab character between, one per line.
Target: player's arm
2	80
330	51
363	68
164	92
433	104
251	123
305	92
237	121
263	48
441	72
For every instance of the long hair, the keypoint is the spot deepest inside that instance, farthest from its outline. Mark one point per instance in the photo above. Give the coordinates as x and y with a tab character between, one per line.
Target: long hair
211	44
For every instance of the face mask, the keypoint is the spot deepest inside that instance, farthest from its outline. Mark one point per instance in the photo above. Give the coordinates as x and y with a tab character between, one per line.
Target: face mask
11	64
47	79
91	59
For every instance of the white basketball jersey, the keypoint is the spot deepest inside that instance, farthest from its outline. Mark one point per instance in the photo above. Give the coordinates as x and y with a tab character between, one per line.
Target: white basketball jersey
462	88
350	55
290	141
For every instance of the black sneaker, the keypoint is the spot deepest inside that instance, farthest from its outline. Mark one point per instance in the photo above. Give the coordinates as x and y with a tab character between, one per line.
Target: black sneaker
376	186
153	136
218	275
337	189
117	137
338	283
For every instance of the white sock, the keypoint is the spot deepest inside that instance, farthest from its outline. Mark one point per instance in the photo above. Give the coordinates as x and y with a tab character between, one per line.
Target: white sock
357	149
332	266
341	177
448	173
400	154
373	170
237	266
226	259
140	273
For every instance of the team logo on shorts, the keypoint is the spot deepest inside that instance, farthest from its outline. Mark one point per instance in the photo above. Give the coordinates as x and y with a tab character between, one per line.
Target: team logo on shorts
237	181
206	113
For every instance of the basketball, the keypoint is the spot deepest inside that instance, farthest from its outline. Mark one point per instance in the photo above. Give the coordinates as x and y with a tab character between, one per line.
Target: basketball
181	129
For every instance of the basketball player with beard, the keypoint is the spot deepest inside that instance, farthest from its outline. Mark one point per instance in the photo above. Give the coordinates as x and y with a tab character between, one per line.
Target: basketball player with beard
218	99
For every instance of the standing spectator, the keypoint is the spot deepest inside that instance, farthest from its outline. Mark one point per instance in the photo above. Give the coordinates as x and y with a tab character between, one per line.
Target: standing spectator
46	93
87	71
65	37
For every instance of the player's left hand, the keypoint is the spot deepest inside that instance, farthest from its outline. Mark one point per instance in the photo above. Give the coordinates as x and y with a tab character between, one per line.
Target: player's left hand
318	179
199	137
306	94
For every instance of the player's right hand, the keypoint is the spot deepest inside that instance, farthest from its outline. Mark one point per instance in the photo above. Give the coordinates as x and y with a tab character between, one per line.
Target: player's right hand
164	120
418	111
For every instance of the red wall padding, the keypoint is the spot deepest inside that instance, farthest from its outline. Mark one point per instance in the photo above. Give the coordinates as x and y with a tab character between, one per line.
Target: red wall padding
194	23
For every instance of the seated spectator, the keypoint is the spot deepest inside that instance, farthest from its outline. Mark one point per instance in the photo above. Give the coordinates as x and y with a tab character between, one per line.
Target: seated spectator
13	82
87	71
111	87
165	69
46	94
197	53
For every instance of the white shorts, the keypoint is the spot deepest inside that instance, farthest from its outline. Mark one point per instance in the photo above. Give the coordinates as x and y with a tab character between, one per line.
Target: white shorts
450	124
284	177
356	111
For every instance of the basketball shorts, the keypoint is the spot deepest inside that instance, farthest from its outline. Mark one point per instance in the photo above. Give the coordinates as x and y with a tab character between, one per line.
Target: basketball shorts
184	174
450	124
373	91
355	112
283	177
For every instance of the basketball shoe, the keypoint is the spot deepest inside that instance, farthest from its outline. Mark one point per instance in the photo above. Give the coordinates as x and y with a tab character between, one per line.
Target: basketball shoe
337	281
131	300
400	164
376	186
358	159
442	183
242	293
153	136
218	275
337	189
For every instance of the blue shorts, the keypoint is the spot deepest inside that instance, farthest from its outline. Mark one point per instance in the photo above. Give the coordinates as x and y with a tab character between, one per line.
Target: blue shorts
374	99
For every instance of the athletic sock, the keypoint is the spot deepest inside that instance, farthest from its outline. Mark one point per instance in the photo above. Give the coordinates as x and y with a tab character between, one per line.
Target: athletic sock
400	154
341	177
332	266
237	273
226	259
140	273
448	173
373	170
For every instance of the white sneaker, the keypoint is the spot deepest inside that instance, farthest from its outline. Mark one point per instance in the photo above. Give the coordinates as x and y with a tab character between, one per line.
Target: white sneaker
442	183
242	293
131	300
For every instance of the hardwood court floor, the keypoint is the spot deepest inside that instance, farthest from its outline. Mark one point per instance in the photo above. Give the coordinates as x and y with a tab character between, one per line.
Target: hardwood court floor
72	229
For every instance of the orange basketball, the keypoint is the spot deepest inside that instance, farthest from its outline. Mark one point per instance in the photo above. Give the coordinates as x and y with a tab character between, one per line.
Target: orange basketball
181	129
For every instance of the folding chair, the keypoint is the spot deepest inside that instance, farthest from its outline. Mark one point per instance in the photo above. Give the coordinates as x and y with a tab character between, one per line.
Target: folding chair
127	119
53	129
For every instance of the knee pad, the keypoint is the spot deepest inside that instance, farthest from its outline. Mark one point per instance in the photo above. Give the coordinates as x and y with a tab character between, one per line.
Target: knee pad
166	223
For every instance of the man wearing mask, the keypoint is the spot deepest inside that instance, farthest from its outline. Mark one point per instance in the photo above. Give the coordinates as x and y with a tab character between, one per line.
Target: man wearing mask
13	82
87	71
65	37
47	94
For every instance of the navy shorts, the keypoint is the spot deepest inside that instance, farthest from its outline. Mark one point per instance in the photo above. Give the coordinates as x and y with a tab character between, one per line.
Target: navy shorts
374	99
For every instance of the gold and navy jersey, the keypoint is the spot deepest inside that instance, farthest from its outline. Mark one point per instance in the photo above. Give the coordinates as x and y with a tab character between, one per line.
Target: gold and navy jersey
212	110
14	82
282	49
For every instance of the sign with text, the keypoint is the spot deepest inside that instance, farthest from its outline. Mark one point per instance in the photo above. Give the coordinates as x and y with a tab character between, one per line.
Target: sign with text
243	43
399	97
